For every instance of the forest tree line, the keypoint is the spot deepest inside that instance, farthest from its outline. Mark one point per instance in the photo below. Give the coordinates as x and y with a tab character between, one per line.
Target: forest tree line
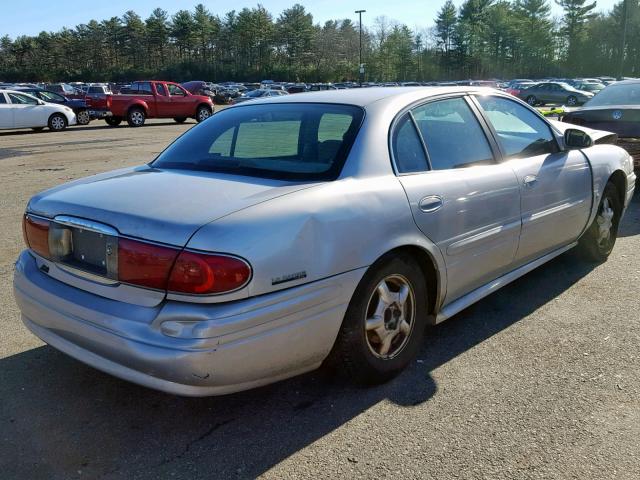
480	39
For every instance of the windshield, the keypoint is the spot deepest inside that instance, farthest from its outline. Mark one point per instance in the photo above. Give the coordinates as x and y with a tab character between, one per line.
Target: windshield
296	141
256	93
617	94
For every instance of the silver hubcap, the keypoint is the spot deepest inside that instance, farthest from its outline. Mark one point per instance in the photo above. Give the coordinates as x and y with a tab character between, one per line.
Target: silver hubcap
137	118
390	316
531	101
57	123
83	117
571	101
204	114
605	223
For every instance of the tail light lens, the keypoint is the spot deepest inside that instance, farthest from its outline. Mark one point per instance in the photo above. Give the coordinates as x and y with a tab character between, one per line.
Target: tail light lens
36	234
201	273
158	267
145	264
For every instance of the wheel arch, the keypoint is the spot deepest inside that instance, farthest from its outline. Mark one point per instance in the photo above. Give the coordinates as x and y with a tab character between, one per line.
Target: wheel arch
138	105
202	104
434	278
619	179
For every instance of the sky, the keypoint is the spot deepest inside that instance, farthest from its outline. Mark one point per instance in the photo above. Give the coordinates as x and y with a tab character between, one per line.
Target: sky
34	16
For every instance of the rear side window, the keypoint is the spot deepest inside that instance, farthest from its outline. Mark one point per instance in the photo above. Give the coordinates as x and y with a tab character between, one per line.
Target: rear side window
521	132
285	141
142	88
2	98
452	134
408	151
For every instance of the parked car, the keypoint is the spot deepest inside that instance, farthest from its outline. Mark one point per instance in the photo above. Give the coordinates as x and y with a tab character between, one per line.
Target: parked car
79	107
593	87
329	226
21	110
198	87
64	89
98	98
616	109
157	99
554	92
260	93
514	88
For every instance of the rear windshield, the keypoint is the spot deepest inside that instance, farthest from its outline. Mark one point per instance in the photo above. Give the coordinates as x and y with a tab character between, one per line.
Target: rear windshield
621	94
294	141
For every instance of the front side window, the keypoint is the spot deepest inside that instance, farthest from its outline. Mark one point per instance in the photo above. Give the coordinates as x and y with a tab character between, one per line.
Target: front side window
160	90
175	90
521	132
284	141
452	134
20	99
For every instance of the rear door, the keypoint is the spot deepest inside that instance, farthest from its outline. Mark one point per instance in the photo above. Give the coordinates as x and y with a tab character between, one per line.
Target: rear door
6	112
465	202
555	186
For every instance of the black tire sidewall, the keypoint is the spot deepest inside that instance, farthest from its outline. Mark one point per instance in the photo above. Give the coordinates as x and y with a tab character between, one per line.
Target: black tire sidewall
57	115
352	351
131	112
200	108
589	241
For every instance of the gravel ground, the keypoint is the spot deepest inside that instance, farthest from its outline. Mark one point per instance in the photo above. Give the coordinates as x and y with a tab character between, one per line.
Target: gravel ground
540	380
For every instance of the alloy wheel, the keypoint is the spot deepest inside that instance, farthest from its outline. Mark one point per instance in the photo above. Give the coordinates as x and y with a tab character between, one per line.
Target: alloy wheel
390	316
605	224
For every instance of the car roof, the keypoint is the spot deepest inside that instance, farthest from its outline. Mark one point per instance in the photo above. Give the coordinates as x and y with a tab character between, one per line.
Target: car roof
363	97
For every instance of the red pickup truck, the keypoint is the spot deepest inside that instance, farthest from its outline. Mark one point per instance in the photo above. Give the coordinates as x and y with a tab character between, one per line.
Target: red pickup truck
156	99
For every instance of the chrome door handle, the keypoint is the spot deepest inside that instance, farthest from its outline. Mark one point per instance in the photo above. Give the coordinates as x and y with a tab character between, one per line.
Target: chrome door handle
530	180
431	203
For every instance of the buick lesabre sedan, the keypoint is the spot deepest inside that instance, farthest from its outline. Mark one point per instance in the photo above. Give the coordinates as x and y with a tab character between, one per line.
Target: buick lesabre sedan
321	227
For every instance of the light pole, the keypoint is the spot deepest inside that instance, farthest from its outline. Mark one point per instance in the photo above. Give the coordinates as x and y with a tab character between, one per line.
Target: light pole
361	66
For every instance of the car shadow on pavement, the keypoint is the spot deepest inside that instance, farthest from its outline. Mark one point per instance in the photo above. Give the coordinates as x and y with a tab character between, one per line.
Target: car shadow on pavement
61	419
95	126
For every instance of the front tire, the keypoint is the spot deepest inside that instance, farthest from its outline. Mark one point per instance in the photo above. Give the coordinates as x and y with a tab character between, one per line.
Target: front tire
83	117
203	113
572	101
136	117
384	324
57	122
531	100
598	241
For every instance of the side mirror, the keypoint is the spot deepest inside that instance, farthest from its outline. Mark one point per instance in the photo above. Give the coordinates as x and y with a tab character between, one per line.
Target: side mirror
574	138
40	102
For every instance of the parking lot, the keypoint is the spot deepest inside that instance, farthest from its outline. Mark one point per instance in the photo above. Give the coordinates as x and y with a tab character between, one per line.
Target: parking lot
540	380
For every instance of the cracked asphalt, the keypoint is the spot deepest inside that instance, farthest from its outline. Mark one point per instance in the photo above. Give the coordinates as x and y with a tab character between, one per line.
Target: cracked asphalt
541	380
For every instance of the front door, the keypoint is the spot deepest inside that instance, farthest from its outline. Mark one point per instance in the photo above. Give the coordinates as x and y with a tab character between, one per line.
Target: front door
461	199
555	185
26	110
182	103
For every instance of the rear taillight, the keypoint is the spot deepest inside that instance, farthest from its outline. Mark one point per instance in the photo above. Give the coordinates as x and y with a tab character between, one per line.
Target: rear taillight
36	234
108	102
167	268
201	273
157	266
145	264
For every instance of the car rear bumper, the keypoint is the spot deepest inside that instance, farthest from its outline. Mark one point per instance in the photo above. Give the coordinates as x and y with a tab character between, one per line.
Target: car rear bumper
632	146
183	348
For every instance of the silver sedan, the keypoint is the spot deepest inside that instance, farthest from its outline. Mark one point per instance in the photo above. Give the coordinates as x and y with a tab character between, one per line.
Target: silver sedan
321	227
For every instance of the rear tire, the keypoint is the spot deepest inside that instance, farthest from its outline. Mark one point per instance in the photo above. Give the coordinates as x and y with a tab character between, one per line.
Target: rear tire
203	113
83	117
381	334
572	100
180	119
57	122
531	100
113	121
598	241
136	117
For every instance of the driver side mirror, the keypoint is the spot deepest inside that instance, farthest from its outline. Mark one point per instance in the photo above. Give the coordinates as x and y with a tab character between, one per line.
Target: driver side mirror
574	138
